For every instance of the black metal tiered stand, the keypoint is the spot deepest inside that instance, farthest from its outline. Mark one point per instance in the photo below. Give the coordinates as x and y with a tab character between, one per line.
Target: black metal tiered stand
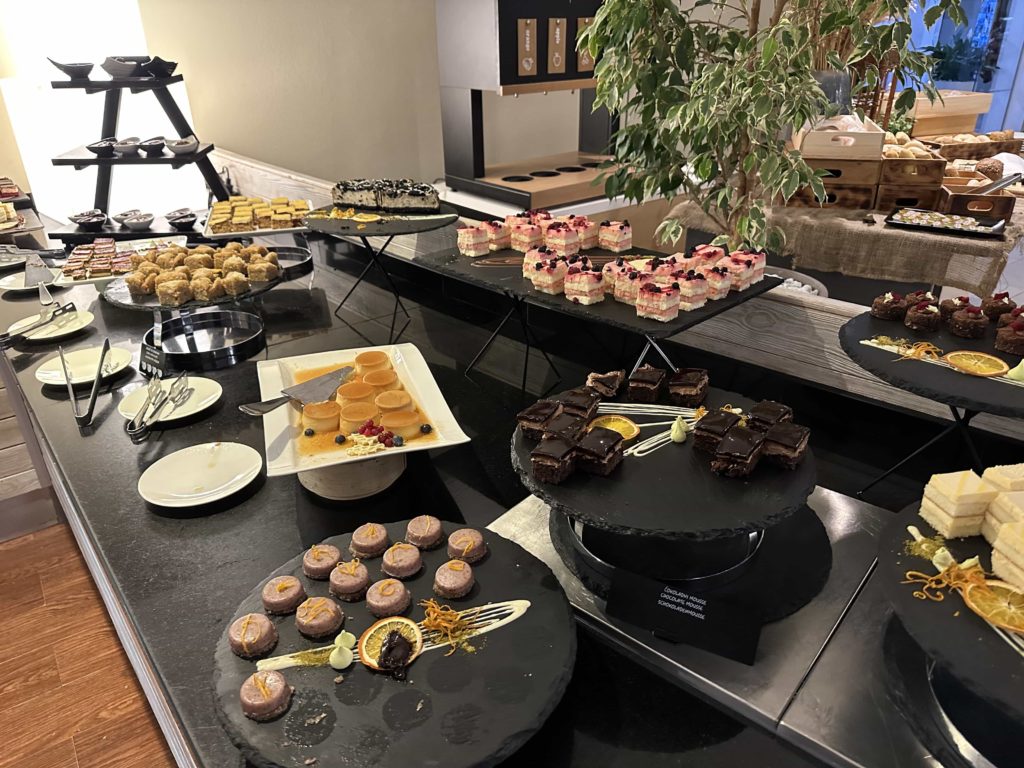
81	157
667	517
965	395
956	681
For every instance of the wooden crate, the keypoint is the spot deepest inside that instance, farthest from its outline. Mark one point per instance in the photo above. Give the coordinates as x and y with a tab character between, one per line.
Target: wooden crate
974	151
957	113
847	172
957	197
858	196
842	145
892	196
916	172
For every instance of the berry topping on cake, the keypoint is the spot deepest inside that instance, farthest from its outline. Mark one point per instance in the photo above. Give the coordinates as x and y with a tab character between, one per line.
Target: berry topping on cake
961	300
650	288
1017	325
968	310
574	270
676	286
619	261
539	265
1002	296
632	275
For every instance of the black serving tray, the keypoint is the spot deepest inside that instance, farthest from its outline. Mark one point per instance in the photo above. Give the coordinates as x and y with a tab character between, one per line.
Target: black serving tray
389	223
206	340
998	225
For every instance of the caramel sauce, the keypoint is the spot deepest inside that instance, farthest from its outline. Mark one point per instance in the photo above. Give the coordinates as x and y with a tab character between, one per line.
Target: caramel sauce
311	373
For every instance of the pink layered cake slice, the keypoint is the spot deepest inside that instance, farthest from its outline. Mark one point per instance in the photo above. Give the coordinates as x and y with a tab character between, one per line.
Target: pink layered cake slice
584	285
514	219
549	277
611	272
540	253
706	256
657	302
693	291
541	218
719	282
741	270
757	261
615	236
499	236
587	230
627	285
472	241
659	268
675	276
526	236
684	262
562	239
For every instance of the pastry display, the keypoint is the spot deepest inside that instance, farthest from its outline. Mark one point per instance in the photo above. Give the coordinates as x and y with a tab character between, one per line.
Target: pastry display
939	221
1007	507
472	241
954	503
319	561
349	580
738	452
252	636
553	460
283	594
467	544
541	254
741	269
719	282
656	302
99	258
767	414
615	236
319	617
401	560
968	323
454	579
997	305
923	316
901	146
1010	338
562	238
712	428
890	306
688	387
499	236
599	452
645	384
388	597
392	195
425	532
369	540
265	695
785	444
584	285
588	231
606	384
248	214
532	419
1008	554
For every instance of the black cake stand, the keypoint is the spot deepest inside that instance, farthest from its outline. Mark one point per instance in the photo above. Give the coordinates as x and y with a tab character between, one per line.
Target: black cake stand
467	709
965	395
949	632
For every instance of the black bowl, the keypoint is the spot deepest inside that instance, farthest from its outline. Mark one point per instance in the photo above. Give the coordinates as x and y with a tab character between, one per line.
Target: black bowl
183	223
154	146
158	67
74	71
92	224
102	148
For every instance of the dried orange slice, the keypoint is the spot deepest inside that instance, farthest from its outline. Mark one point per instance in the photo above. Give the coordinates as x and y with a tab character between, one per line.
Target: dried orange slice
625	427
997	603
372	640
976	363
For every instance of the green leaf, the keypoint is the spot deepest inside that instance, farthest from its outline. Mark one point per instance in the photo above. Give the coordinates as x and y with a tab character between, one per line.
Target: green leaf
790	185
770	48
932	15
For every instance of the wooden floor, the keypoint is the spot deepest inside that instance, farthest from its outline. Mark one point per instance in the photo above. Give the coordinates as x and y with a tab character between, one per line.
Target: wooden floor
68	696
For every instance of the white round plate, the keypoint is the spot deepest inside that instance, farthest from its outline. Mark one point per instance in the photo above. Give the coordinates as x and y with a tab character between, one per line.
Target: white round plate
82	365
205	392
200	474
65	325
16	282
11	261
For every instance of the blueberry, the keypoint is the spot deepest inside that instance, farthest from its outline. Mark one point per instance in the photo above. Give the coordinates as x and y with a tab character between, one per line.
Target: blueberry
398	440
426	429
339	439
309	432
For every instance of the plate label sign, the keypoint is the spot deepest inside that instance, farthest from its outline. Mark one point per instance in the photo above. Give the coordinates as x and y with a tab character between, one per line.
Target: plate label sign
557	29
584	61
152	360
528	47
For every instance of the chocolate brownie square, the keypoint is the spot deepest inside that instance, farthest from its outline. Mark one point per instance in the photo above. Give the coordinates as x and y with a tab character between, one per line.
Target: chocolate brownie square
712	428
606	384
600	451
565	425
532	419
553	460
645	384
768	413
786	444
738	453
581	402
688	387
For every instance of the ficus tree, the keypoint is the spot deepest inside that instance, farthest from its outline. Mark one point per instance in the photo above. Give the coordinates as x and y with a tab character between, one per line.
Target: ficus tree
708	94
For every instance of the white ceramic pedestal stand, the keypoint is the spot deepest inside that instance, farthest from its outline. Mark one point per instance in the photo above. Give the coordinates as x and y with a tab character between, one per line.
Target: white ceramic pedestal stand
346	482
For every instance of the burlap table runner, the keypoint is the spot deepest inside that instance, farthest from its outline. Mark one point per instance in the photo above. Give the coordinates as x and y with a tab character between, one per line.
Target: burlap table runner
839	240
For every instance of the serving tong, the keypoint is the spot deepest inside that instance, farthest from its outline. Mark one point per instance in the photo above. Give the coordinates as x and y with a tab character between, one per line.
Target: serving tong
139	426
84	419
8	340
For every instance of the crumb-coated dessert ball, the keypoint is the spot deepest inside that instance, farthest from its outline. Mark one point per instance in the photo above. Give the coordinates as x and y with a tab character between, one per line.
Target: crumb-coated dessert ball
265	695
467	544
424	531
319	617
252	635
369	540
388	597
319	560
283	594
401	560
349	581
454	579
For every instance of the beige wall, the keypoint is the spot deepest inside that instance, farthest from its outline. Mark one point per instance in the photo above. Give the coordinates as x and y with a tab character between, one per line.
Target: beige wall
335	88
10	158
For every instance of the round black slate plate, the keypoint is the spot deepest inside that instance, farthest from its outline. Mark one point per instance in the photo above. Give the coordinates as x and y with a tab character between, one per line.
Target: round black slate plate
672	492
294	262
389	224
948	631
944	385
789	570
461	710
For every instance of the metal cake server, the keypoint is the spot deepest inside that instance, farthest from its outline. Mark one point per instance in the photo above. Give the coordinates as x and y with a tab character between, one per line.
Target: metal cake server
313	391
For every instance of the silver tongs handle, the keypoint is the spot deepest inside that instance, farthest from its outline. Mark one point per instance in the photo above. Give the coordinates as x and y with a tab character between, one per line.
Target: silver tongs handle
265	407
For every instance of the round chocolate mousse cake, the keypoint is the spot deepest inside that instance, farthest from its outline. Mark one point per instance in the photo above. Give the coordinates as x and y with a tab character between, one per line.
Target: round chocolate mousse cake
425	531
948	306
369	540
401	561
319	560
1010	317
388	597
252	635
349	580
1010	338
968	323
265	695
997	305
467	544
923	316
283	594
454	579
319	617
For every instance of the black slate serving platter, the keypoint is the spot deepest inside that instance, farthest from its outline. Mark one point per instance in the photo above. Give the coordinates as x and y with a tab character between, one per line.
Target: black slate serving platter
948	631
935	382
996	226
460	710
294	262
389	223
672	493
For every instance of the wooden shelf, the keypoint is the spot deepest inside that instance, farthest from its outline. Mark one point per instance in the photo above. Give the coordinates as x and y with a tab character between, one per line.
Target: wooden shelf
115	83
80	158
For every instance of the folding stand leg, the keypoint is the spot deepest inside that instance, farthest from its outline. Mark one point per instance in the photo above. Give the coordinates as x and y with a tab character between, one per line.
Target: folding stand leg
376	262
963	425
524	317
652	344
490	340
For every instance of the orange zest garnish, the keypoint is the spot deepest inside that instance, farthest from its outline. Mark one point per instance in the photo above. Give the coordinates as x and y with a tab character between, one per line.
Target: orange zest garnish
349	567
313	608
426	525
371	529
260	679
922	350
388	588
953	577
456	565
314	551
465	541
245	631
283	585
447	624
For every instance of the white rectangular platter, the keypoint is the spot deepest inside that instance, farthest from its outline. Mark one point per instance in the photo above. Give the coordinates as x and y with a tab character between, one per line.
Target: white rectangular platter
282	428
250	232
